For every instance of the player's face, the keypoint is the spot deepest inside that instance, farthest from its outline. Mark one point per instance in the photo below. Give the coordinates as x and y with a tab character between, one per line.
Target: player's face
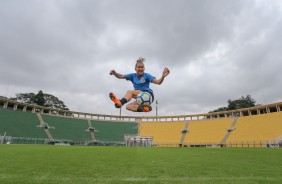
140	67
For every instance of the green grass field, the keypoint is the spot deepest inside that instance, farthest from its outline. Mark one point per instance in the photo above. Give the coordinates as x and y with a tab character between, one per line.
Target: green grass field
74	164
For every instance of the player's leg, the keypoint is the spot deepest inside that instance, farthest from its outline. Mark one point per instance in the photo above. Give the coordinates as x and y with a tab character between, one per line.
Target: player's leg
135	107
131	94
132	106
127	97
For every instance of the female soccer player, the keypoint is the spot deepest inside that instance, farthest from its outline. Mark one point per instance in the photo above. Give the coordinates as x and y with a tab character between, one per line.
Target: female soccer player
141	82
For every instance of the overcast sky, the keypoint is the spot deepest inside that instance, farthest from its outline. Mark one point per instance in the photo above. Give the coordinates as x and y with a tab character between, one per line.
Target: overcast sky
215	49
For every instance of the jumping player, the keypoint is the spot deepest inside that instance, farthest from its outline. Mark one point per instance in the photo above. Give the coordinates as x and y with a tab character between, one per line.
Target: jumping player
141	82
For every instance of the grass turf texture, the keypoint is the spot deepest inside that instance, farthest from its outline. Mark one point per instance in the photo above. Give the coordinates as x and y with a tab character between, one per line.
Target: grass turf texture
59	164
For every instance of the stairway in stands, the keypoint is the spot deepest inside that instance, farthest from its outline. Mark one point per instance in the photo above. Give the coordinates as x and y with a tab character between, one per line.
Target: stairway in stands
93	138
229	130
46	130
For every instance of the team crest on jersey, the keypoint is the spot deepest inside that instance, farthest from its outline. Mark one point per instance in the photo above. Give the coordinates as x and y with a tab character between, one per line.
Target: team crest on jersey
142	80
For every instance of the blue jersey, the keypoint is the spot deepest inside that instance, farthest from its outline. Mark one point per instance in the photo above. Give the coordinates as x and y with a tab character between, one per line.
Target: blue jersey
140	83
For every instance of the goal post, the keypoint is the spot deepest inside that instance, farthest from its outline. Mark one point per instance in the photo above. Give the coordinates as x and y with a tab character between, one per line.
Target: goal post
138	141
5	139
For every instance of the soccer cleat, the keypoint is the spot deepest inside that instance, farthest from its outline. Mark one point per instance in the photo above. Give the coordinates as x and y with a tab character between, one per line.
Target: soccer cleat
147	108
144	108
115	100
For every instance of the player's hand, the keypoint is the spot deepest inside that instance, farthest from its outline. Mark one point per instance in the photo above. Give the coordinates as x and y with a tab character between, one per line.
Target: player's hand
112	72
166	72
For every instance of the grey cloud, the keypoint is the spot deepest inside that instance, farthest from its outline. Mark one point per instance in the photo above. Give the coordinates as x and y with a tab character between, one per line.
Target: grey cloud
216	50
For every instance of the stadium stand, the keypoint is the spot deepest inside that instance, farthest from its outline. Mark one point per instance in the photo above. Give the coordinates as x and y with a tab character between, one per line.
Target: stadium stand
113	131
259	126
255	130
20	124
163	133
68	129
207	132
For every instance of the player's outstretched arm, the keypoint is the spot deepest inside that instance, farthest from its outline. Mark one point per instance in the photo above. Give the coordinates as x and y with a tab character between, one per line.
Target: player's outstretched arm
160	80
117	75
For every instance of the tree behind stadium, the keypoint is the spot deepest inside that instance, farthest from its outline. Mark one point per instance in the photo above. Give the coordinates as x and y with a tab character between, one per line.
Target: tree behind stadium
243	102
42	99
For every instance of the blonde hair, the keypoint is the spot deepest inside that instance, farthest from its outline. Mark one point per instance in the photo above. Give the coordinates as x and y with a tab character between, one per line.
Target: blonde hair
140	60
